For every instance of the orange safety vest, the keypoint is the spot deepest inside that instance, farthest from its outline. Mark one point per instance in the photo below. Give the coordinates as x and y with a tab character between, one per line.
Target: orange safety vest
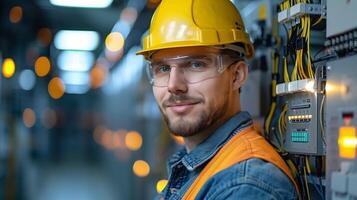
243	146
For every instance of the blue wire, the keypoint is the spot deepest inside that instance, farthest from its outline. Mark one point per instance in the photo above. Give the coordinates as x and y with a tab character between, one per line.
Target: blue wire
321	186
315	186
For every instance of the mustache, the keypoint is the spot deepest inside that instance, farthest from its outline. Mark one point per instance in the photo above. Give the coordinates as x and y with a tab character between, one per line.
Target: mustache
174	99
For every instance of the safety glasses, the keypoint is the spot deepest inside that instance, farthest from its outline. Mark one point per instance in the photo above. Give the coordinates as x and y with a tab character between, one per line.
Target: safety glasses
192	69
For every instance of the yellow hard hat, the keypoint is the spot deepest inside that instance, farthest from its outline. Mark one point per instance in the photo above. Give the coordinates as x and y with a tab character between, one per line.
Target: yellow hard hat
187	23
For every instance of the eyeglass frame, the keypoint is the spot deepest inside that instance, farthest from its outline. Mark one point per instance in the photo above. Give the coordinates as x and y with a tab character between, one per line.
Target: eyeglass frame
237	56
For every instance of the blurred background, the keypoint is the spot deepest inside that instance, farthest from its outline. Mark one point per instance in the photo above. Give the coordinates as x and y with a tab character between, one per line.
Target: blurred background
77	115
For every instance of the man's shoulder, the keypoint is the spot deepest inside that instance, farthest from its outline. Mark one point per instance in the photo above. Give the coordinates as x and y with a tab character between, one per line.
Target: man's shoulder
250	178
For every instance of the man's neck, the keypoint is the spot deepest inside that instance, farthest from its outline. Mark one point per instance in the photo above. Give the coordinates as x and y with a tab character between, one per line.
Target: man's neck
191	142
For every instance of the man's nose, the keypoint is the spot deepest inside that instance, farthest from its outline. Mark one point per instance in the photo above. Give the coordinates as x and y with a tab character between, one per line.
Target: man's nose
176	83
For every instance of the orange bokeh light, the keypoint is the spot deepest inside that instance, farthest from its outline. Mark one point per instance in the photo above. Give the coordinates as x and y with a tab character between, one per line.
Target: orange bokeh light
178	139
56	88
114	41
133	140
98	75
15	14
347	142
29	117
44	35
42	66
141	168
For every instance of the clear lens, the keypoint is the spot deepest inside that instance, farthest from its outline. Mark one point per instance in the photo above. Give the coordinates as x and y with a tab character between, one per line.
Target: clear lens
193	69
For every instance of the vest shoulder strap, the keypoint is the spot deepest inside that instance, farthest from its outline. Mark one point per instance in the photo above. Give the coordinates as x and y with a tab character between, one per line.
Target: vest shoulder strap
245	145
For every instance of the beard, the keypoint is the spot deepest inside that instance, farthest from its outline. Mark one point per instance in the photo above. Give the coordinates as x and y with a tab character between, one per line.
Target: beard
190	126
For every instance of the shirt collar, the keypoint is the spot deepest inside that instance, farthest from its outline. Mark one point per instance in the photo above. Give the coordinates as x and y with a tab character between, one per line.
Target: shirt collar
208	148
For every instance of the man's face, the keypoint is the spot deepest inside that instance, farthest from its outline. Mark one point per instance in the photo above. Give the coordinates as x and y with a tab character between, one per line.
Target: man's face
189	108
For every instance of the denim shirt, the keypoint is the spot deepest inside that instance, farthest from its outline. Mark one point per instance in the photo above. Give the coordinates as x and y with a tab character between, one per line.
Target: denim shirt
250	179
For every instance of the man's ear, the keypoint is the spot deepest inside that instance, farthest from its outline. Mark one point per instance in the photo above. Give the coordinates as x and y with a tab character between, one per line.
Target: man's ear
240	74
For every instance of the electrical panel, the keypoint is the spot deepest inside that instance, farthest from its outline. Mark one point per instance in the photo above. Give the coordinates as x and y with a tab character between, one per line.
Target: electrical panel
341	123
341	17
291	15
341	28
303	135
341	100
295	122
299	96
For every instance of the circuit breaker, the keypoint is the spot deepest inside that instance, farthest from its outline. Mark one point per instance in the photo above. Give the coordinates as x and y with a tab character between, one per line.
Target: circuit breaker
303	135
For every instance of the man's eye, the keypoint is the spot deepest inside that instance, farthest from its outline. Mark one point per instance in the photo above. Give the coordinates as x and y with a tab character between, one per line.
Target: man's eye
197	65
161	69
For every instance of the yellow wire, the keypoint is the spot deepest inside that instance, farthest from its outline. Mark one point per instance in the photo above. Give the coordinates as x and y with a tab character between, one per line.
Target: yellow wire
286	73
276	64
321	122
308	165
284	116
294	72
318	21
302	71
292	167
282	121
282	124
303	25
273	105
306	184
280	131
270	115
309	65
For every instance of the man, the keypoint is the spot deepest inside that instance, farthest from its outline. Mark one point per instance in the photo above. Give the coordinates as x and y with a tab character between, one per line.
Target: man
196	50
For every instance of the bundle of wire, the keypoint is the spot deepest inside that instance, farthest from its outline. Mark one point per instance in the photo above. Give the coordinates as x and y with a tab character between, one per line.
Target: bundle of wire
297	54
298	39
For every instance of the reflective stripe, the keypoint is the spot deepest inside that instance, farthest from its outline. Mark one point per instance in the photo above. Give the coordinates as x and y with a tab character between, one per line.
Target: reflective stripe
245	145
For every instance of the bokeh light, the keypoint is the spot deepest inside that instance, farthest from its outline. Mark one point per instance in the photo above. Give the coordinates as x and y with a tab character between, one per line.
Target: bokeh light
27	79
133	140
29	117
32	53
8	67
153	3
107	139
98	75
141	168
114	41
44	35
178	139
129	14
97	134
42	66
56	88
15	14
49	118
114	56
160	185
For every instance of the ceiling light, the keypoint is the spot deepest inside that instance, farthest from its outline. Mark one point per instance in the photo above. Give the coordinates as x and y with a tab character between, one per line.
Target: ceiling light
75	78
82	3
76	40
79	61
77	89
